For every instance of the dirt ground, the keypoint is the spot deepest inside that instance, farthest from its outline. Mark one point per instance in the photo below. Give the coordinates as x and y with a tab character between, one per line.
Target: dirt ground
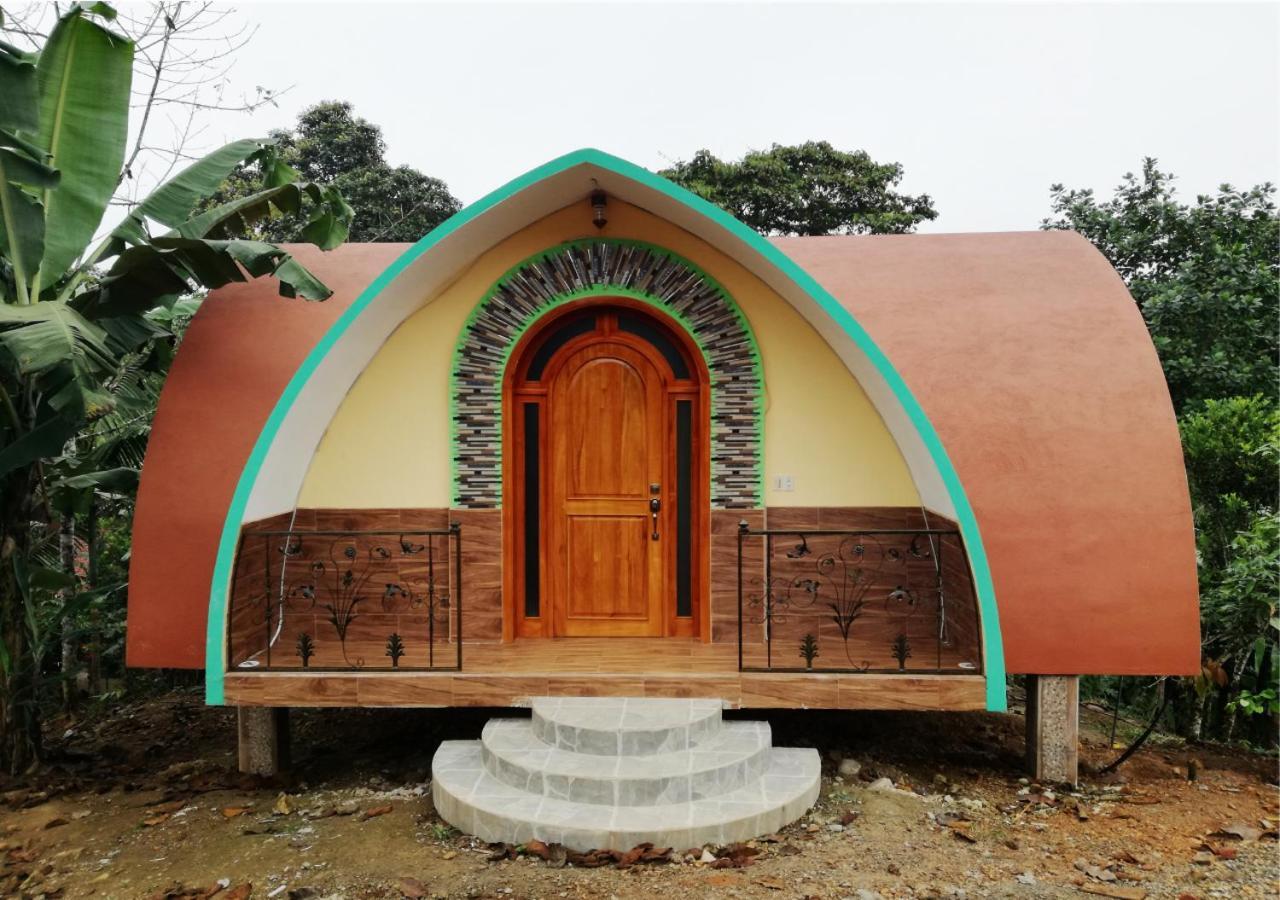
146	803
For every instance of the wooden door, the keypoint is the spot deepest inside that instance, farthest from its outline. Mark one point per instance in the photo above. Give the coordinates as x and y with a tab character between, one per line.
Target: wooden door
607	450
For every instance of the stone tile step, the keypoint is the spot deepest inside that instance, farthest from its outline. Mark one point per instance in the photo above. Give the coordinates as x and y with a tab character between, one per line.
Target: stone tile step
472	800
624	726
732	758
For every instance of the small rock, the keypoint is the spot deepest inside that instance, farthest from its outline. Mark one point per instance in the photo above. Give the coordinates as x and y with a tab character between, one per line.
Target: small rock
1203	858
412	888
849	767
881	784
835	826
707	856
1024	878
866	894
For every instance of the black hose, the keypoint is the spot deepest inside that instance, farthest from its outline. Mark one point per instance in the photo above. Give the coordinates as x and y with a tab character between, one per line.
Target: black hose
1142	738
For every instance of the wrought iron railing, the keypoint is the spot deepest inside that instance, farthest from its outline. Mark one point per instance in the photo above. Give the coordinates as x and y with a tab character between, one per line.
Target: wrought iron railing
343	600
889	600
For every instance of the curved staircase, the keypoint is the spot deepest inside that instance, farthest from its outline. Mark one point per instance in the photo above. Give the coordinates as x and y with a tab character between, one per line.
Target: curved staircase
612	772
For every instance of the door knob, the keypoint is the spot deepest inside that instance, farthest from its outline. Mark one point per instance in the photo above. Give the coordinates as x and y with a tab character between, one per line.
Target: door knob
655	505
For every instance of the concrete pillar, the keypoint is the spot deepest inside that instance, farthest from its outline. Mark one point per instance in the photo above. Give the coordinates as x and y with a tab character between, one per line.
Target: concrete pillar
263	733
1053	728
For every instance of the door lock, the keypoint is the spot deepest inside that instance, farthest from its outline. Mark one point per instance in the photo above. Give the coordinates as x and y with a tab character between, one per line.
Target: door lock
655	505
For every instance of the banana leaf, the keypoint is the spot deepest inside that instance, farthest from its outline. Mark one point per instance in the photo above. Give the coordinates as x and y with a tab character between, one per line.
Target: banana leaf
21	213
43	441
84	74
144	274
17	88
172	203
328	227
67	353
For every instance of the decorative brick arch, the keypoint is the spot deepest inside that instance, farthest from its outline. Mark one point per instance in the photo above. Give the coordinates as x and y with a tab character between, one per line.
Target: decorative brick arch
607	267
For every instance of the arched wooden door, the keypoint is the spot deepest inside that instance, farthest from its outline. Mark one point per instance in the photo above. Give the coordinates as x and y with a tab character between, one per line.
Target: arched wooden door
606	479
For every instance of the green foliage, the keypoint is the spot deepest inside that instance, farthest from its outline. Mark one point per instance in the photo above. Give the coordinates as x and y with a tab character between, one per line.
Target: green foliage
1263	703
331	145
84	73
806	189
1232	450
1239	611
1205	276
87	329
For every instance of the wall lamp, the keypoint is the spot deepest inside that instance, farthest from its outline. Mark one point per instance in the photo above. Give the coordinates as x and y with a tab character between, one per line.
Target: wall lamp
598	201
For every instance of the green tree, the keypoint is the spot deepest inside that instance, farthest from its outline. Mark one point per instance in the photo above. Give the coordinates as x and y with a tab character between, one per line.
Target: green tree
331	145
1242	627
78	313
806	189
1232	450
1204	275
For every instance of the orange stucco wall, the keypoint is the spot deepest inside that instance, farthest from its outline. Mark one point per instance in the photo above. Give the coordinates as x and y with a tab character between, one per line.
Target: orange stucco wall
1025	351
1034	365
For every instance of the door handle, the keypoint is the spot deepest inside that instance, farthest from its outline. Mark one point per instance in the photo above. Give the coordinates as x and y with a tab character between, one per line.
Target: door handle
655	505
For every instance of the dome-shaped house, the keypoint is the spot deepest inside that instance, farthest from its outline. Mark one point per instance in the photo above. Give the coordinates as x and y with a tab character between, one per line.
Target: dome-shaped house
594	437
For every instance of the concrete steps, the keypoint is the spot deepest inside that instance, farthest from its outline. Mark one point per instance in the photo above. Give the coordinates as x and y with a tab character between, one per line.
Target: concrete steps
594	773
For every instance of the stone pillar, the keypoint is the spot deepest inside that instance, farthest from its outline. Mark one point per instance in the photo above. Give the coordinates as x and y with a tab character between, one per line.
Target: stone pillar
263	733
1053	728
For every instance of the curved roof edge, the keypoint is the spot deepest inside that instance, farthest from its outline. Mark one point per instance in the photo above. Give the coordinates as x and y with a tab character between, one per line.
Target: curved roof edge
938	481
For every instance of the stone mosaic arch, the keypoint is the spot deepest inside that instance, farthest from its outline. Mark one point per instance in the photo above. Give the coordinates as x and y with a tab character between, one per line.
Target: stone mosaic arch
596	267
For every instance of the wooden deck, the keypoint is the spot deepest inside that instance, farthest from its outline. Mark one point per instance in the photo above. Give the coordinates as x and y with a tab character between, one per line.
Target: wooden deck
509	674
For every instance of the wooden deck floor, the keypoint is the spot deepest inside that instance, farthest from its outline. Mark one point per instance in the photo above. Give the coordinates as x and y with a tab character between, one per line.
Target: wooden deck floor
509	674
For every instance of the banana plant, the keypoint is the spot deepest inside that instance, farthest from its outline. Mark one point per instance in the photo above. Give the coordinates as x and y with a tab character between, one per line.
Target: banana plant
72	306
82	306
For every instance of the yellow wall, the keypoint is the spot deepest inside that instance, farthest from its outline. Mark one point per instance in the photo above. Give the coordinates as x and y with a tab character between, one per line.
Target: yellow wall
388	445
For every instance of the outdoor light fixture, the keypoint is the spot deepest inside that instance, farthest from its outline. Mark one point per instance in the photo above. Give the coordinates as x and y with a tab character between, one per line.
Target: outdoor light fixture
598	201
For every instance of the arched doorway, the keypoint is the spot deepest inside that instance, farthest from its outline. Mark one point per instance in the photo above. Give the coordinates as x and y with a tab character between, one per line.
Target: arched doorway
606	475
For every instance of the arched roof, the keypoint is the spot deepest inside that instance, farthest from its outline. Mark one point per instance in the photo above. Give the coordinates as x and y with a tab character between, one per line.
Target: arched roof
1025	348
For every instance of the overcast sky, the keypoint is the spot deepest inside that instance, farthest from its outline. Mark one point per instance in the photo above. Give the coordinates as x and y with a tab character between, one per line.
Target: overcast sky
984	106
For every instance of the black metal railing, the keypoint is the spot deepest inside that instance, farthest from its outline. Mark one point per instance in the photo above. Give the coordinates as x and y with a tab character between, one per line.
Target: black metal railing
888	600
344	600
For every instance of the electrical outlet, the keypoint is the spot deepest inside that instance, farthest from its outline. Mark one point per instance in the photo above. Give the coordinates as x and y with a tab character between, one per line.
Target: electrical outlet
784	483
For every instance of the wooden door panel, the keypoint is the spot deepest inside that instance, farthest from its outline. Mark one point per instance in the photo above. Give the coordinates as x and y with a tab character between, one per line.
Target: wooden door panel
608	568
605	420
608	444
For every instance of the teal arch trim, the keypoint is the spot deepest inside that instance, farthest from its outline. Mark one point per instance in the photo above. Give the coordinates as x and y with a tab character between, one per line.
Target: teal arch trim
993	649
486	401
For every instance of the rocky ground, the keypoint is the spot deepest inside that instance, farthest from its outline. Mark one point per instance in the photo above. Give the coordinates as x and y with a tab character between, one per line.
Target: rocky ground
145	803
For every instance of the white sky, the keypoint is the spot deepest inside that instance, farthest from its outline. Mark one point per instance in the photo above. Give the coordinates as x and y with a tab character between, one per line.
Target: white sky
985	106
